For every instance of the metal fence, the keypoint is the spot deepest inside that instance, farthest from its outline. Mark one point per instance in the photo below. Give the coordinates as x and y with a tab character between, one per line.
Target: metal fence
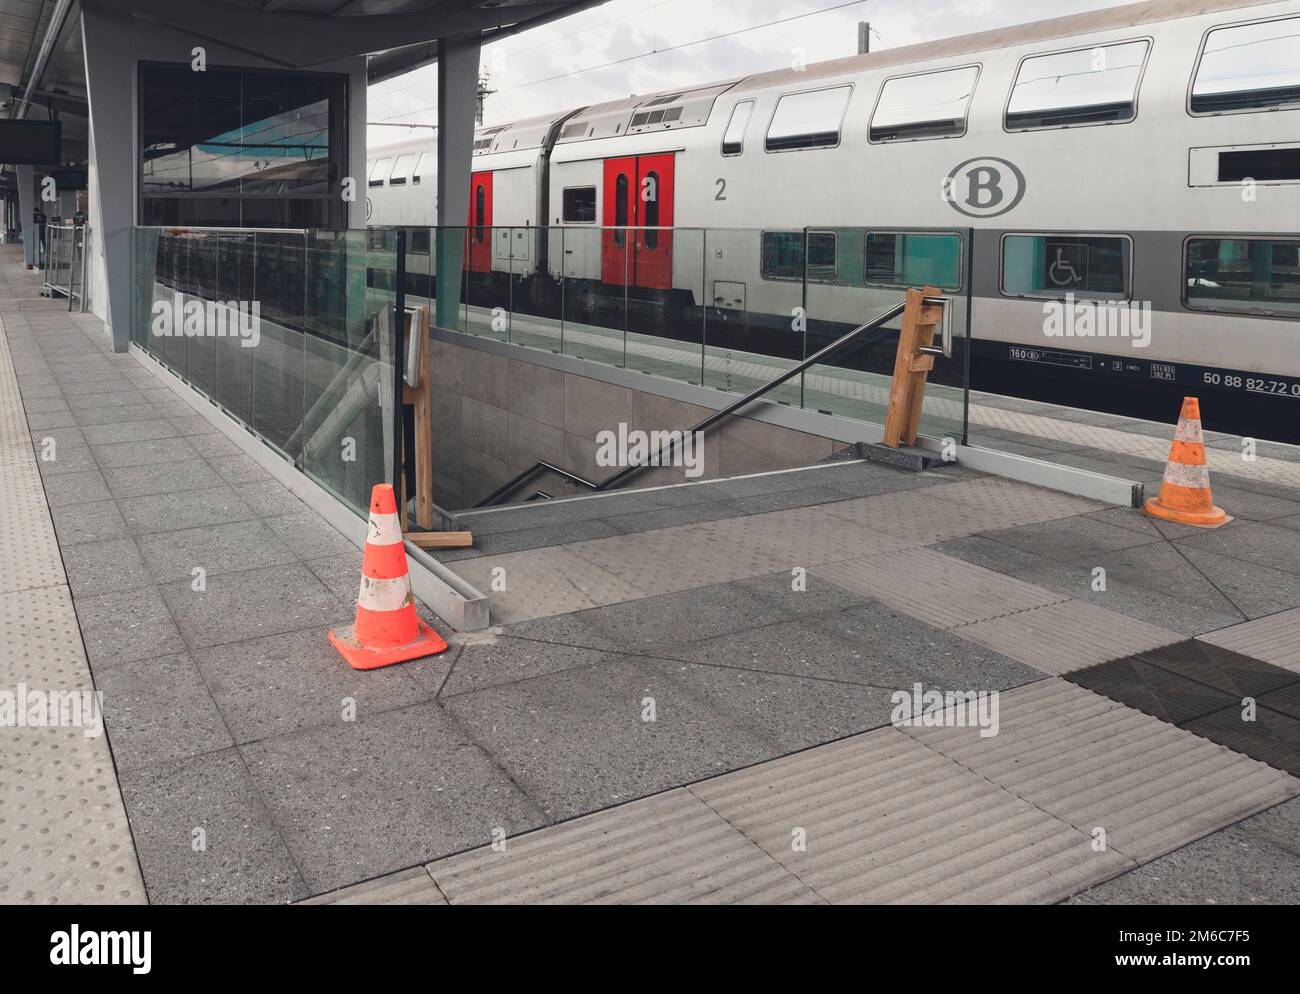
65	263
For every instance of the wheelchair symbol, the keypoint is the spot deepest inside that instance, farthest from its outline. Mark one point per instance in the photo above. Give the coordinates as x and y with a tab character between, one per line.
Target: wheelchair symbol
1070	275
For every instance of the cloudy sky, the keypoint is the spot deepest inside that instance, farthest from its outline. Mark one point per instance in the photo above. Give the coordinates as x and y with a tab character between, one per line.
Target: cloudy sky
661	45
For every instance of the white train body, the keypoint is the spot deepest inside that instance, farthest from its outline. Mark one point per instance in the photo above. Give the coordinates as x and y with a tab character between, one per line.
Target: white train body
1148	196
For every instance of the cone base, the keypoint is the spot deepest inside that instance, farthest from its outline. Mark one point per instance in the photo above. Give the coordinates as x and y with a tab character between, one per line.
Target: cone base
1212	518
427	642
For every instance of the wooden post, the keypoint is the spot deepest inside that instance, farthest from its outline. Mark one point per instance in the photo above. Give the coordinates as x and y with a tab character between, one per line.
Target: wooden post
419	396
911	367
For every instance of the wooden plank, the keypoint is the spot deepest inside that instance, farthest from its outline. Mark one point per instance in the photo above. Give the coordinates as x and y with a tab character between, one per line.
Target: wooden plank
924	339
441	540
900	386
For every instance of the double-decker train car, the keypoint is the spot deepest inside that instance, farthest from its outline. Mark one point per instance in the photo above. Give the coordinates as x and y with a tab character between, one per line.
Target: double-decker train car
1124	183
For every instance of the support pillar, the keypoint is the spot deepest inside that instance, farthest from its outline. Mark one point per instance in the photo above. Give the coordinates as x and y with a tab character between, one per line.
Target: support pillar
458	64
110	87
26	206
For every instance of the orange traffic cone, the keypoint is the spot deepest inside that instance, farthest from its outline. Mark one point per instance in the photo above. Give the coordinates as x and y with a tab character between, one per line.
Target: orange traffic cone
387	629
1185	491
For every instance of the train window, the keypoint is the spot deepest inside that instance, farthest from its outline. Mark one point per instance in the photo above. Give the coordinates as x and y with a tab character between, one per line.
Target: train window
929	105
424	161
783	256
1248	67
1243	274
401	168
378	171
910	258
810	119
733	141
1056	265
480	209
620	209
580	205
420	241
651	218
1087	86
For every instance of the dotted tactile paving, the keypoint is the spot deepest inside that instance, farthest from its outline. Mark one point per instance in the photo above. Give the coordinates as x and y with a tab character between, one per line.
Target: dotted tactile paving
64	836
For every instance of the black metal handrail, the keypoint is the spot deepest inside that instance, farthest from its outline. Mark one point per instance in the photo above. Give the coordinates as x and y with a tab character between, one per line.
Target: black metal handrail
712	419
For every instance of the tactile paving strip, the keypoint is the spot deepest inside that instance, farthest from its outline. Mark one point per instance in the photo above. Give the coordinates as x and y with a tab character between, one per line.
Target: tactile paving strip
1095	763
888	820
938	589
408	887
1067	636
666	849
64	836
1275	639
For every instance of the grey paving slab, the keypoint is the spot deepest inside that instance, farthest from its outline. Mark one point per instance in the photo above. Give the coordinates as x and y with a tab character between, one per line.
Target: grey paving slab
1067	636
76	488
632	854
576	740
284	683
1274	639
115	414
238	606
167	478
237	469
201	507
158	711
1255	590
132	624
268	498
141	452
112	434
216	549
104	567
1076	539
66	459
668	517
530	583
1255	861
1098	764
405	887
545	536
204	836
425	790
502	660
1259	543
94	522
883	819
868	645
941	590
562	629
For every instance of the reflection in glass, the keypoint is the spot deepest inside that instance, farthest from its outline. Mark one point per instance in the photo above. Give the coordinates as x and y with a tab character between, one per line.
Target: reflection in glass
1250	66
926	106
1054	265
1244	274
1090	86
808	120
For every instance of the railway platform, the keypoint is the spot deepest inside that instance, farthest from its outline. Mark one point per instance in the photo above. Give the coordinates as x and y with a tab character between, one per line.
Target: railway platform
688	692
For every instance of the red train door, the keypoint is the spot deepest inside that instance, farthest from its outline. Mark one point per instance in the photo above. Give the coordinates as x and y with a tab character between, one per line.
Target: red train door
478	236
654	249
619	213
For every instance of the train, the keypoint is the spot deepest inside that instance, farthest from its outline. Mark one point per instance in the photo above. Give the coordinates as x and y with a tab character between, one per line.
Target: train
1116	194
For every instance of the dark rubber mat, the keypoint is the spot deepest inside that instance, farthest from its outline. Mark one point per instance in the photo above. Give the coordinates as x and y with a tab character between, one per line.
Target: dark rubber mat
1150	689
1223	669
1285	701
1271	738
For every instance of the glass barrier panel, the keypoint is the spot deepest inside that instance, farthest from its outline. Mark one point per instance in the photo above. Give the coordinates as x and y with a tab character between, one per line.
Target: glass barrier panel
665	316
275	322
596	266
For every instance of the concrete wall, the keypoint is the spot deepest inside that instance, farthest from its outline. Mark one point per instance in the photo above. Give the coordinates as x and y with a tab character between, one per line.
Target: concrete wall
495	414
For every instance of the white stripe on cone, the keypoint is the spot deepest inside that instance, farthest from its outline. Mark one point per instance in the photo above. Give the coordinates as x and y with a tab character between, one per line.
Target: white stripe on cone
1188	430
1182	475
384	595
384	530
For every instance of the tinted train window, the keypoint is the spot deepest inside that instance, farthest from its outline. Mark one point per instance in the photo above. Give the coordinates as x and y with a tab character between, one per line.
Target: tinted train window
400	170
1088	86
420	241
783	255
1249	67
620	209
931	105
733	142
913	259
1252	274
808	120
378	171
580	205
1054	265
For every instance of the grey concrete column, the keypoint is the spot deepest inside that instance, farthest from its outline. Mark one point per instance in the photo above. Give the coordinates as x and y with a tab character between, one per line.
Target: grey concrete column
457	93
26	203
110	86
